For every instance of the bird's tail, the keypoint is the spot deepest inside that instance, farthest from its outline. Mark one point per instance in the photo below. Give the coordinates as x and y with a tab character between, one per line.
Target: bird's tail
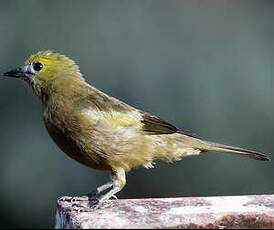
211	146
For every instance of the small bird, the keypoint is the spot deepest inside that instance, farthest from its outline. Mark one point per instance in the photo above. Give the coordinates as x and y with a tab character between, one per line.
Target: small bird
102	132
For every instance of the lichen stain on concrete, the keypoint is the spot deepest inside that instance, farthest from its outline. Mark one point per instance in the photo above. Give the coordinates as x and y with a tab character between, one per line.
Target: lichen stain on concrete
233	222
261	201
253	221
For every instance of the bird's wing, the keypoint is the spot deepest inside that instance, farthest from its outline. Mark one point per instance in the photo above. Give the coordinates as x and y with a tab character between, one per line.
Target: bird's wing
153	125
120	114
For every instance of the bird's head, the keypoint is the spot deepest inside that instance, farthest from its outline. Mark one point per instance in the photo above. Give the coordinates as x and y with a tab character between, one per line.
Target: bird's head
44	68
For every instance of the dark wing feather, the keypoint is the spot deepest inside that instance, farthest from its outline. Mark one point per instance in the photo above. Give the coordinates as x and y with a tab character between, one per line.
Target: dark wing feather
155	126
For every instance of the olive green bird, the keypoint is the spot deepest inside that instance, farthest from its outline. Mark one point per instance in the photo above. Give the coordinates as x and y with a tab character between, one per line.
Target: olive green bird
102	132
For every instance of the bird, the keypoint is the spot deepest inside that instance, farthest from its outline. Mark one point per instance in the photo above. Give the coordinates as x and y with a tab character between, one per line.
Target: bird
102	132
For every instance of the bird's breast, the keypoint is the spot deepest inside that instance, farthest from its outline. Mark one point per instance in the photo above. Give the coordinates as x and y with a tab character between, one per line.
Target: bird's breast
67	135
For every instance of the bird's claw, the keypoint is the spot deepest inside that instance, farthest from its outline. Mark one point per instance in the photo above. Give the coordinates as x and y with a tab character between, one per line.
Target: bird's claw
80	208
73	199
95	204
65	198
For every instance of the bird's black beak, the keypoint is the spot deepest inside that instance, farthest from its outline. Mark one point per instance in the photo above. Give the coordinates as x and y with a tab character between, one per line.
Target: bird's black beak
17	73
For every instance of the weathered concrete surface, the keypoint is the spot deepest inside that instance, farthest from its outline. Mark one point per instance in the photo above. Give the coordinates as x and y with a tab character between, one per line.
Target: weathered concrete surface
255	211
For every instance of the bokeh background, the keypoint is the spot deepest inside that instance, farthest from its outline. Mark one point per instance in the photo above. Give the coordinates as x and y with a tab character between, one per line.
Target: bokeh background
203	65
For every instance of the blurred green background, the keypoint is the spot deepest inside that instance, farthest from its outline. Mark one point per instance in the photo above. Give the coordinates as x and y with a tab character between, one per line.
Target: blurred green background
203	65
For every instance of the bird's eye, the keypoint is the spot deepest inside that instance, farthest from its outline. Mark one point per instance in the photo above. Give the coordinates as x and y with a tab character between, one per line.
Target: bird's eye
37	66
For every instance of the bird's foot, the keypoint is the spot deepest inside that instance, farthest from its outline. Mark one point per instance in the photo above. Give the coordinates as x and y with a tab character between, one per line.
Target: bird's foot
73	199
93	194
93	204
90	196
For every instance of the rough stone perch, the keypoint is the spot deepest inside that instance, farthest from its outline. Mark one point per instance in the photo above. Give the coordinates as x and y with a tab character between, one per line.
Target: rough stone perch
253	211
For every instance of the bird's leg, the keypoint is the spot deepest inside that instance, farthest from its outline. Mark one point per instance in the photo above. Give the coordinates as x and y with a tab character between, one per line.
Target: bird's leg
118	182
100	189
